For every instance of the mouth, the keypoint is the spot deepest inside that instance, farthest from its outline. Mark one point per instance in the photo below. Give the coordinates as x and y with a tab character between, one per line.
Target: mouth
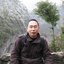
33	32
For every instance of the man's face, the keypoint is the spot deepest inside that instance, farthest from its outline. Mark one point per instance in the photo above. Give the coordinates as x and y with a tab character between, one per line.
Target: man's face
33	29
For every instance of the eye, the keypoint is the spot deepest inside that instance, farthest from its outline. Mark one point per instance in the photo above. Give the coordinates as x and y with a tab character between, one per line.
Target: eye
31	26
35	26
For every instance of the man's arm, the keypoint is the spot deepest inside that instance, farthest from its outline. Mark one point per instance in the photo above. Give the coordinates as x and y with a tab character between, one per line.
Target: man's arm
15	55
46	53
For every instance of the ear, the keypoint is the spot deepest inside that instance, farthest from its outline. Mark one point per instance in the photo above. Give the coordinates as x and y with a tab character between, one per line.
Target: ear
27	29
39	28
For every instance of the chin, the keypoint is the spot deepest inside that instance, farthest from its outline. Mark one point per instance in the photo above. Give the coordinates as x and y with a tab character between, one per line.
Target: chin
33	35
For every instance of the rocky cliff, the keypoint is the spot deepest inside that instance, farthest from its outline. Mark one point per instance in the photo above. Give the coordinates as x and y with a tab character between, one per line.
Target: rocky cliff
13	19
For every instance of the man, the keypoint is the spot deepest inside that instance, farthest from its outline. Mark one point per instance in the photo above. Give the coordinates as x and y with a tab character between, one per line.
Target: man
34	50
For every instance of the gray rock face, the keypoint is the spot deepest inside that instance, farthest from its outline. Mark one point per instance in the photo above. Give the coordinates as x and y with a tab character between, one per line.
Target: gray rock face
14	12
58	58
5	59
13	19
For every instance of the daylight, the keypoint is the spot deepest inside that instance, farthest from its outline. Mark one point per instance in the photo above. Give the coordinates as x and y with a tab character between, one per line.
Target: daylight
30	33
30	4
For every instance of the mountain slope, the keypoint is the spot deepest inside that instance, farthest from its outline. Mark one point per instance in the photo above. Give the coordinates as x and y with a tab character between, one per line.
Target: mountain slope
13	17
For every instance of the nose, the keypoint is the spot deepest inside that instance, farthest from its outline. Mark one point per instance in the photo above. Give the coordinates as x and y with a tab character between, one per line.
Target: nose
33	28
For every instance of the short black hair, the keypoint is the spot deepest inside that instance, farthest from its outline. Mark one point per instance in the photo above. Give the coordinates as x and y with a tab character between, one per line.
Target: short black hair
34	20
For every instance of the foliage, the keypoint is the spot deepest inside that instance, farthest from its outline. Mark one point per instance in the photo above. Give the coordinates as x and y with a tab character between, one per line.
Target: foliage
59	40
55	46
3	37
5	33
47	11
62	36
11	19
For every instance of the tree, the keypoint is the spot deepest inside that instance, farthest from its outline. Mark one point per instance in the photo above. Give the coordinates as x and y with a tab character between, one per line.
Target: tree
62	36
48	12
55	47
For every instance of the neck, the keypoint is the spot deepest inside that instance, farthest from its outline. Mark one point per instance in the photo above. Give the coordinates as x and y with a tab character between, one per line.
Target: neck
33	36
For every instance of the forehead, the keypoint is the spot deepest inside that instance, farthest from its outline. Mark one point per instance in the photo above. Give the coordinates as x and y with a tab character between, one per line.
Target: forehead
33	23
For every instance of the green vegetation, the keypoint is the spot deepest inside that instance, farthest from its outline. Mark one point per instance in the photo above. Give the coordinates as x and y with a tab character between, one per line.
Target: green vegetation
49	13
10	24
55	46
5	32
12	19
62	36
59	41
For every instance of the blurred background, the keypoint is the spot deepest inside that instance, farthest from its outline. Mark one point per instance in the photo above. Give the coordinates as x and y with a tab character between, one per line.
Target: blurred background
14	16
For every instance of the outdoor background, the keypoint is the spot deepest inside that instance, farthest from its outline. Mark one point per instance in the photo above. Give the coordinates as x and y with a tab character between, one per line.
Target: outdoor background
14	16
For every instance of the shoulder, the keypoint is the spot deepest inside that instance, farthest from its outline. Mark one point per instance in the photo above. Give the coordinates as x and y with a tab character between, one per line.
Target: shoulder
43	37
22	35
44	41
19	37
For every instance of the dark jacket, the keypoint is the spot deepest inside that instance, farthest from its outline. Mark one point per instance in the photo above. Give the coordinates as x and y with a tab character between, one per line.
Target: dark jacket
34	51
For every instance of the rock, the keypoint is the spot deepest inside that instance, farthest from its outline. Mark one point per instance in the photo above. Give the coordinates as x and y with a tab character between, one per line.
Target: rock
13	18
58	58
58	53
5	58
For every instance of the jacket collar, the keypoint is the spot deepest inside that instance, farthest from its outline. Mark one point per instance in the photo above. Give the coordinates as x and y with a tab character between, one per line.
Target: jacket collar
33	40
